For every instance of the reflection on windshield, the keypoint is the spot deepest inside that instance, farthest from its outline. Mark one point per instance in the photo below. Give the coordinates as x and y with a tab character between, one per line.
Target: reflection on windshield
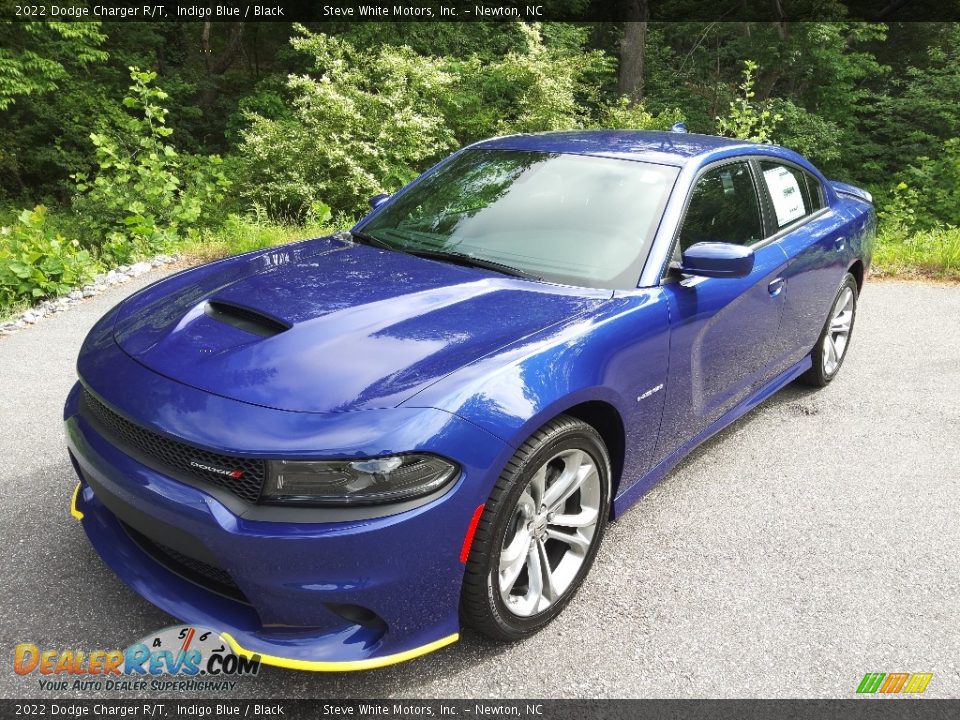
571	219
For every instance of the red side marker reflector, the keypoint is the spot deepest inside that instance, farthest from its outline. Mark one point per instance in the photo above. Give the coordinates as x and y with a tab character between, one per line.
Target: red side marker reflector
468	538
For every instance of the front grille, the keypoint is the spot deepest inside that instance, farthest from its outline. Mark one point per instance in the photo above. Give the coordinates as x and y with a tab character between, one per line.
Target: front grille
196	571
168	454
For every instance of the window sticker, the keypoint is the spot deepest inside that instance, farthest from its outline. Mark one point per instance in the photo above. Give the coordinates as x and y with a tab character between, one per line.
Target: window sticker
785	193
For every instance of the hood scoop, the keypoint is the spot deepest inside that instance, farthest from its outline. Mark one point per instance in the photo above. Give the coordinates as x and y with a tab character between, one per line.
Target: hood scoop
242	318
355	329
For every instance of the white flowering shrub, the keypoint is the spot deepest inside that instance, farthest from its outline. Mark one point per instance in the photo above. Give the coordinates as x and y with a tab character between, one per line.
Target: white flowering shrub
366	122
363	123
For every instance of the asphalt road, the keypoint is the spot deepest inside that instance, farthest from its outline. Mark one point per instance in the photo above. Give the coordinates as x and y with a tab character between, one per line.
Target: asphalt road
816	539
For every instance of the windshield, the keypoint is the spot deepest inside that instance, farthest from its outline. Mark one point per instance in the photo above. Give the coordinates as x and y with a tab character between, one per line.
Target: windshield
570	219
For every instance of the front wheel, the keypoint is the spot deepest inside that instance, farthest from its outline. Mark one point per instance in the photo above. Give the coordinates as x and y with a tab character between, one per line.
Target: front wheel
831	347
539	532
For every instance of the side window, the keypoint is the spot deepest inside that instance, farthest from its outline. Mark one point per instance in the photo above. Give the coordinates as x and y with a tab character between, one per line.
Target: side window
789	192
816	192
723	208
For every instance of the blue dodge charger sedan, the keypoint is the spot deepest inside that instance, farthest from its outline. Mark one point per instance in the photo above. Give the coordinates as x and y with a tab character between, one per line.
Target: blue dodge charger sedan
339	451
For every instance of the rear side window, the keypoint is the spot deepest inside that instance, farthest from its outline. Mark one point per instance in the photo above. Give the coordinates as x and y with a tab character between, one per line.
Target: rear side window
816	192
790	192
723	208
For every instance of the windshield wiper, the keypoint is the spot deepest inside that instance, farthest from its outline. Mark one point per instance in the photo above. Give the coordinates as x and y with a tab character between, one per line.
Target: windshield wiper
471	261
449	256
368	239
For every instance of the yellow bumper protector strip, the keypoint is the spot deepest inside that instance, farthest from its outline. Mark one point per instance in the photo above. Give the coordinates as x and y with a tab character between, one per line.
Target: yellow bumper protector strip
316	665
73	504
342	665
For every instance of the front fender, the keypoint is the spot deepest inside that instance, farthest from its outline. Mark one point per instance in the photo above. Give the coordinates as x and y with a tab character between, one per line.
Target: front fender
617	355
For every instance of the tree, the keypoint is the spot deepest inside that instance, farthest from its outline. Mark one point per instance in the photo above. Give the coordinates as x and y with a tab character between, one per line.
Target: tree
36	57
633	51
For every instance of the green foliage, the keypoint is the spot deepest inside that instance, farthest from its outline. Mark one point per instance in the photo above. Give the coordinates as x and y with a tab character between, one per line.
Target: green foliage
36	261
938	180
364	125
367	122
913	110
311	128
45	94
899	212
927	195
145	196
747	118
36	57
813	136
928	253
536	89
920	218
239	234
622	115
457	40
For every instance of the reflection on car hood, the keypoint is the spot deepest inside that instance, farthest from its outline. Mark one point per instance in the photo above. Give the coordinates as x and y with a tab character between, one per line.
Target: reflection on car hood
327	326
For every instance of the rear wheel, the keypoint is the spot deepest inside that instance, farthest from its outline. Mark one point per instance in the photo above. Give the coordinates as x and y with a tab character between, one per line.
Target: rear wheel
539	532
831	347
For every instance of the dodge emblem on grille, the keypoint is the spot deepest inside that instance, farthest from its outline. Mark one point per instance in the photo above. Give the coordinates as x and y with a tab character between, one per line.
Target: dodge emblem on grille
236	474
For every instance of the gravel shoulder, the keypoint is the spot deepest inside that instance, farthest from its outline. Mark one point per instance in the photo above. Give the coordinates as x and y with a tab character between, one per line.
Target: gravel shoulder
813	541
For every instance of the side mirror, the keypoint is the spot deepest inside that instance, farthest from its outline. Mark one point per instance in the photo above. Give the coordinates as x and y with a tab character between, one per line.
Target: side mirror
717	260
378	200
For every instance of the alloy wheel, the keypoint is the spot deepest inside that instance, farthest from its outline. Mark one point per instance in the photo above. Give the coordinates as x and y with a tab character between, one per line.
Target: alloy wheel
838	333
550	533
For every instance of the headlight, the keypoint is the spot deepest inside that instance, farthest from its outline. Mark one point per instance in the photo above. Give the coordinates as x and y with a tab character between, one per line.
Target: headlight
356	482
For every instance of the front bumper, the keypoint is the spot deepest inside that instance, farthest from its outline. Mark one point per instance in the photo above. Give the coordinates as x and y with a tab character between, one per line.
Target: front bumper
294	579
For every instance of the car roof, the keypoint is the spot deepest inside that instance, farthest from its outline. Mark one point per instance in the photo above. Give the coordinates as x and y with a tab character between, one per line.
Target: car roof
668	148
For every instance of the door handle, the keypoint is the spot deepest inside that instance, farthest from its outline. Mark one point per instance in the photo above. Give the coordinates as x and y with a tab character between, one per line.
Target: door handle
839	243
776	286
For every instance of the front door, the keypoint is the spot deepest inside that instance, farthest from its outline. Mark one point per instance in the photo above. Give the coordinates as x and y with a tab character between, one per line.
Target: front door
723	330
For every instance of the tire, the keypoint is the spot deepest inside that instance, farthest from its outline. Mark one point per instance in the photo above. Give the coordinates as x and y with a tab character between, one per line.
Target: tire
512	530
828	354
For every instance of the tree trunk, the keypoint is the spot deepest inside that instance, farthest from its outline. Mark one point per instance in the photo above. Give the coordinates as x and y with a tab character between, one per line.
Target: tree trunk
633	50
769	77
217	66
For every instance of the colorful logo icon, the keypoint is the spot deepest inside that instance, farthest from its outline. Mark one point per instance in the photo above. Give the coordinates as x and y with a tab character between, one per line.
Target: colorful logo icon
890	683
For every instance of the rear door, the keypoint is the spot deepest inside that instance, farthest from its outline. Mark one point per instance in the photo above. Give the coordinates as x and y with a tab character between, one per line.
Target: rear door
723	330
813	236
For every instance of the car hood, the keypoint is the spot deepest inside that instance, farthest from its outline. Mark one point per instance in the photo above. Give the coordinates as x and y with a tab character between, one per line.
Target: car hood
330	326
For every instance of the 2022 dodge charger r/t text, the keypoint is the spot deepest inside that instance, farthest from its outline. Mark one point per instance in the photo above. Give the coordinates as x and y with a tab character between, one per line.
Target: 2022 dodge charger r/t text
338	450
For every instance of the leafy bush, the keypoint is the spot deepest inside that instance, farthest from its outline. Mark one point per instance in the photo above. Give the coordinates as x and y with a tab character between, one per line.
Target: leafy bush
145	196
920	218
369	121
625	116
239	234
36	261
928	194
536	89
813	136
366	125
747	119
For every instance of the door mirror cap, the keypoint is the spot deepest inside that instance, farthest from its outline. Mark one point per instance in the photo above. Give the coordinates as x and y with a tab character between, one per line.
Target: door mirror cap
717	260
378	200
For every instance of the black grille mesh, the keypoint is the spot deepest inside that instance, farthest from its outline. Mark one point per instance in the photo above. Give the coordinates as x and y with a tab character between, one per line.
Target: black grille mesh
177	456
196	571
